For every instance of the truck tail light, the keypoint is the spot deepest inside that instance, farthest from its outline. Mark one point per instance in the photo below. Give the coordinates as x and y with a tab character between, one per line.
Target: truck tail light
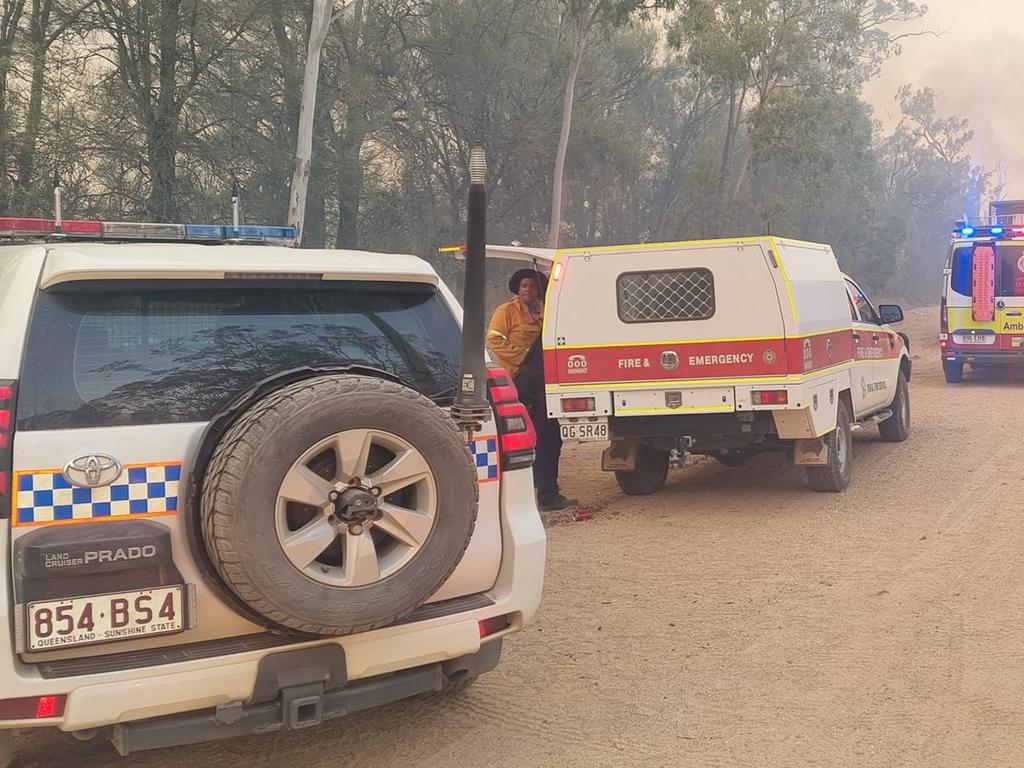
32	707
943	324
770	397
578	405
7	395
517	439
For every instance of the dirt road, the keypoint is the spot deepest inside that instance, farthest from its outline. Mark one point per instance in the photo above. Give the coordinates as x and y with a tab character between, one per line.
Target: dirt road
737	619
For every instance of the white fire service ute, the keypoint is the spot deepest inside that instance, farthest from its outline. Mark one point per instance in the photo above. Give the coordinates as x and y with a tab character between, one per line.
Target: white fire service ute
723	348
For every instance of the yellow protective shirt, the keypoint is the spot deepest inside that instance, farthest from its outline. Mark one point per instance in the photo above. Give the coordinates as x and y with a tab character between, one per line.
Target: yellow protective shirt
510	335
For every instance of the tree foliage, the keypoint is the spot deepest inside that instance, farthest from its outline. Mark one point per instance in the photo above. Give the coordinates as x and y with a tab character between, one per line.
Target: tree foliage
715	117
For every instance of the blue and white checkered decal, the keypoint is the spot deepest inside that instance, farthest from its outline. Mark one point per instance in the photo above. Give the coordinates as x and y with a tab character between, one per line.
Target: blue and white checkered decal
485	455
47	497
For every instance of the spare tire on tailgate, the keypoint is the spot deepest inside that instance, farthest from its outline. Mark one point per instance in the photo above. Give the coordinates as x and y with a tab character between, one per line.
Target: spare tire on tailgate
338	504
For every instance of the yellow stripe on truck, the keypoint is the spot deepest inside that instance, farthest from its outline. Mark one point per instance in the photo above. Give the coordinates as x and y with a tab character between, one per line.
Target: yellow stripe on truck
785	279
961	319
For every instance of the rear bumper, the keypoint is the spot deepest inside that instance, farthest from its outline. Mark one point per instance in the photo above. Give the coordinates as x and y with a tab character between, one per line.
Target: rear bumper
986	357
299	706
190	681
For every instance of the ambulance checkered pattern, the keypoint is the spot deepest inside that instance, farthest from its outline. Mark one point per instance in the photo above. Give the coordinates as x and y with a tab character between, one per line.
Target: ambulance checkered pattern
679	294
47	497
485	455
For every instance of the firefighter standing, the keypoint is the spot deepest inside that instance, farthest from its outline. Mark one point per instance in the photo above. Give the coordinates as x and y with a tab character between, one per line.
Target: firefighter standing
514	339
517	323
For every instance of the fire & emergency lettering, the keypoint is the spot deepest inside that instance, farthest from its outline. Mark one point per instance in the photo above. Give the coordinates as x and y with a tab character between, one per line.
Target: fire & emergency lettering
741	359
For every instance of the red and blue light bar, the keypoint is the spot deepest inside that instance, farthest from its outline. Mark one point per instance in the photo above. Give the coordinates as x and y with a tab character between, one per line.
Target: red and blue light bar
21	229
985	230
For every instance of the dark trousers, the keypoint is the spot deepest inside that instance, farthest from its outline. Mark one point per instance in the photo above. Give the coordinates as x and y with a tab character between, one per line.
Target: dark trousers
549	451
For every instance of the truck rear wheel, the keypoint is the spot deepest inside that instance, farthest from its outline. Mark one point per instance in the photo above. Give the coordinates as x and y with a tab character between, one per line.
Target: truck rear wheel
835	476
649	475
954	372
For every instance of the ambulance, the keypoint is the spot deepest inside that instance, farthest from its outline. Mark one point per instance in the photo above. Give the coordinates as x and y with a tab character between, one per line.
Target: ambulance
982	309
724	348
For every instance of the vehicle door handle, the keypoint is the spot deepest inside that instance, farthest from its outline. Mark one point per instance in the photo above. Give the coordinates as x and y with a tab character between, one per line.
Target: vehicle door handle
874	337
1013	314
856	336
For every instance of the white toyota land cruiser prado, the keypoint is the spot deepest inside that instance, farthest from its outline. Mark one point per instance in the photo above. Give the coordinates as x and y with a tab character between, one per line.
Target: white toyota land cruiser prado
231	496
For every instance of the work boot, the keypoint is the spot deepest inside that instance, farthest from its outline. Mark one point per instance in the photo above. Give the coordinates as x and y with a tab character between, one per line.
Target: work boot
555	503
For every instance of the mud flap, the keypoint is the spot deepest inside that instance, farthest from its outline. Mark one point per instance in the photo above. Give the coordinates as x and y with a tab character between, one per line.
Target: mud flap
810	453
620	456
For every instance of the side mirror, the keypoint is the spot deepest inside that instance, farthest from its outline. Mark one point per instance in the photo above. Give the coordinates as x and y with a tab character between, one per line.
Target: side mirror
890	313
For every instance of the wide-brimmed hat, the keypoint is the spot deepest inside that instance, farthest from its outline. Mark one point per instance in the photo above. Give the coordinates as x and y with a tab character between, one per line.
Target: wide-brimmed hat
518	275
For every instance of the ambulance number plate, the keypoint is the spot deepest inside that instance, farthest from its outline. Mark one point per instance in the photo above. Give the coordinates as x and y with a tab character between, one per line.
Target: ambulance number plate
972	338
585	431
104	618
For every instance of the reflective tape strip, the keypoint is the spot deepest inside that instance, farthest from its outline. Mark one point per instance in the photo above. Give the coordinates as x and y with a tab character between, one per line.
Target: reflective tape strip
498	334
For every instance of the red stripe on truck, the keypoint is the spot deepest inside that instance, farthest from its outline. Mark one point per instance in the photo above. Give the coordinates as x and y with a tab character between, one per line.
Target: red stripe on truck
675	361
813	353
668	361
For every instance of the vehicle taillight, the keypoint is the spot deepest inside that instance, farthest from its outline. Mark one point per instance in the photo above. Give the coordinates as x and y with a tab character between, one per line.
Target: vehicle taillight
495	624
943	324
32	707
7	392
770	397
500	386
578	404
517	438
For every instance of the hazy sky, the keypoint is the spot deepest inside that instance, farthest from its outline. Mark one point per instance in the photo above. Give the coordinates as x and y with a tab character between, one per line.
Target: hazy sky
975	64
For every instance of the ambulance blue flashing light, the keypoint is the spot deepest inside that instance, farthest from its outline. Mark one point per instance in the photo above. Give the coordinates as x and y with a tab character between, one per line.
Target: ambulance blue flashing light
966	230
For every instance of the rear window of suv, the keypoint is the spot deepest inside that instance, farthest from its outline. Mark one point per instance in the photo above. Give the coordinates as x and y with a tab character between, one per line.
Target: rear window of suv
111	354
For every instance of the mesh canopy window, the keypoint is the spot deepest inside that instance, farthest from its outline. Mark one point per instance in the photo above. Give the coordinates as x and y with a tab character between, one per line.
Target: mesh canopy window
678	294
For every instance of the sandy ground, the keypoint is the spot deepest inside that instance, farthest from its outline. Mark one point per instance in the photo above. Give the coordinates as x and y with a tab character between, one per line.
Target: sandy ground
738	619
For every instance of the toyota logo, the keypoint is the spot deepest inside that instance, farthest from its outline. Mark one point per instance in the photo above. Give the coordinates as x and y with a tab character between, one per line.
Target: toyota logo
92	471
